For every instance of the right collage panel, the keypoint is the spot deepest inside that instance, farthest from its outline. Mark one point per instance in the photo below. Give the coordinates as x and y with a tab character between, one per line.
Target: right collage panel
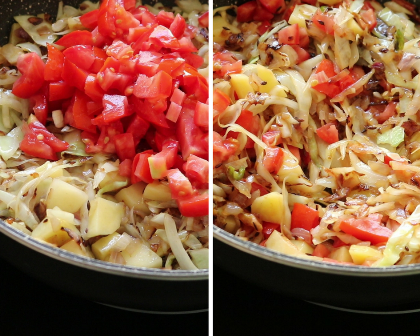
316	156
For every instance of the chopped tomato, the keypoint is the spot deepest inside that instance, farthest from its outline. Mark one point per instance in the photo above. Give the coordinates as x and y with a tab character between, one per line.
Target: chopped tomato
303	55
115	108
304	217
32	68
125	167
197	170
328	133
80	55
262	14
321	251
179	184
203	19
201	115
90	19
323	21
273	159
245	12
367	229
77	37
223	148
273	6
81	119
158	86
178	26
369	17
174	111
268	229
303	37
60	90
272	138
263	27
55	64
178	96
40	105
289	35
194	206
73	75
124	145
251	123
164	160
141	167
191	137
163	37
41	143
220	100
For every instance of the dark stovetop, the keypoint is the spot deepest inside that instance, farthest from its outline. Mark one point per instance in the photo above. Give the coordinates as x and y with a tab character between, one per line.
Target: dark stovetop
28	307
244	309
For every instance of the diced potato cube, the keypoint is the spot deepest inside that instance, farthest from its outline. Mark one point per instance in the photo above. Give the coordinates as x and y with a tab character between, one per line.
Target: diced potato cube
301	13
354	27
140	255
302	246
133	197
360	254
241	85
59	173
50	229
269	208
157	191
278	242
65	196
104	217
101	249
75	248
341	254
267	76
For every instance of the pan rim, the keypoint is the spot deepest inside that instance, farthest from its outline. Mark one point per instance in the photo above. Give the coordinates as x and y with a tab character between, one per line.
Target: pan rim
311	265
98	265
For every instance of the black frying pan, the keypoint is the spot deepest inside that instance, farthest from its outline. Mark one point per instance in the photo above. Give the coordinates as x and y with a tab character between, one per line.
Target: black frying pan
128	287
351	287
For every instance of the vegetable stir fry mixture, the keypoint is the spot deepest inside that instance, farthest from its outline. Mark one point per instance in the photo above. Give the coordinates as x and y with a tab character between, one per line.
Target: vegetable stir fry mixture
317	128
104	132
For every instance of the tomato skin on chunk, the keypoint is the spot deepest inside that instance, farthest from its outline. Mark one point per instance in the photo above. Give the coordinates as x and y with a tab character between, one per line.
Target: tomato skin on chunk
129	83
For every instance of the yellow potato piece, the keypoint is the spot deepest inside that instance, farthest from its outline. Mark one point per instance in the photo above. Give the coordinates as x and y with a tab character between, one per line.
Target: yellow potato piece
65	196
360	254
269	208
133	197
140	255
302	246
157	191
104	217
50	229
240	84
267	76
341	254
101	249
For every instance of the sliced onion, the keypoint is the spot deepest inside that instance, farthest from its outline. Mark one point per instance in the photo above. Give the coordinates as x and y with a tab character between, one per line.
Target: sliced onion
176	245
303	234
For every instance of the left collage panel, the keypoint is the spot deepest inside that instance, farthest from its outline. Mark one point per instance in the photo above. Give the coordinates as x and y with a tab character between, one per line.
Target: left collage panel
104	155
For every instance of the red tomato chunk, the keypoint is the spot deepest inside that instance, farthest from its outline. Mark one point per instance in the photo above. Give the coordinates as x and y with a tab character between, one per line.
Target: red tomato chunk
127	81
